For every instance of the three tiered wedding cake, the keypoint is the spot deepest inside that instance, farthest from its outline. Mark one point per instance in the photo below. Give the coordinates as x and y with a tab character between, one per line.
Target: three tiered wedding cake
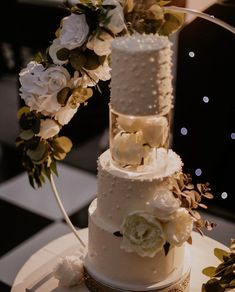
137	227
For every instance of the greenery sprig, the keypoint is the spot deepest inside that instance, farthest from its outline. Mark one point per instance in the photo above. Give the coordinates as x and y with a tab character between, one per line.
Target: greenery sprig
222	278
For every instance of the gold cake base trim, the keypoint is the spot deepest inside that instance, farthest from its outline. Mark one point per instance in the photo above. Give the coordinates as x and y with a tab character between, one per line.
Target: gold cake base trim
95	286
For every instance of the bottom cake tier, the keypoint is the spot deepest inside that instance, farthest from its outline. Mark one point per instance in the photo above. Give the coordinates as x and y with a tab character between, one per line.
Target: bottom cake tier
106	263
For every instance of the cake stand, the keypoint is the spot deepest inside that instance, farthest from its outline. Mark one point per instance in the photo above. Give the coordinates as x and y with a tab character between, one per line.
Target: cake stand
36	274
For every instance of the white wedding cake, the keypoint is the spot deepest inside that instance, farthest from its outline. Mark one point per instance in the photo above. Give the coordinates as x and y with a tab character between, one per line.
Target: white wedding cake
137	228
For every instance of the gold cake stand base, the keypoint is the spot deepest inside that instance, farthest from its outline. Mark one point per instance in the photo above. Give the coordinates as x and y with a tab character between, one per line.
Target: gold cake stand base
95	286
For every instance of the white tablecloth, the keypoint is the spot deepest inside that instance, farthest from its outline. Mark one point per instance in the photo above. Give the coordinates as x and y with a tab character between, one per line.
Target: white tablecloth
36	274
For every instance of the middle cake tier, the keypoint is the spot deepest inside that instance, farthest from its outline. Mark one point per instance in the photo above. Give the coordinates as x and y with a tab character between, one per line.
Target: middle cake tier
122	192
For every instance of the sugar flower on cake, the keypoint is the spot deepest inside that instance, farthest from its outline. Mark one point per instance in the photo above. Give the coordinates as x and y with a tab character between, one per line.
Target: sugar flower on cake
130	124
179	229
143	234
164	205
39	87
69	271
72	34
48	129
128	149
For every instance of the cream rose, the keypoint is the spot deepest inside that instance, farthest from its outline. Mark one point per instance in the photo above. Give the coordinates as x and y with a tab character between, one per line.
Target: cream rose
116	16
39	87
73	34
163	205
143	234
101	44
69	271
155	131
128	149
48	129
179	229
65	114
130	124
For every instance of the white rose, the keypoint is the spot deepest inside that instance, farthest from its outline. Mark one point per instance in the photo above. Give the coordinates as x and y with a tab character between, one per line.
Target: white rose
163	205
39	87
101	44
143	234
48	129
69	271
116	23
73	34
128	149
179	229
65	114
155	131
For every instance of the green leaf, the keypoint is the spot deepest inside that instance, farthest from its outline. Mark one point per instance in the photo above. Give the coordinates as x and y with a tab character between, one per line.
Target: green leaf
77	60
39	154
173	21
163	2
24	110
63	95
53	167
63	54
166	248
93	61
209	272
62	144
36	125
232	284
213	285
220	254
26	135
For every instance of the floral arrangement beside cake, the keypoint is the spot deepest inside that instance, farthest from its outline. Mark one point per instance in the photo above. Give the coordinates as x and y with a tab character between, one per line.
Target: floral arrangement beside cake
146	207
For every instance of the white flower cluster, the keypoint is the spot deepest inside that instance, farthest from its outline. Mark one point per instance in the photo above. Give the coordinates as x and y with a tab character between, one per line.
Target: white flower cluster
40	85
70	270
138	137
163	221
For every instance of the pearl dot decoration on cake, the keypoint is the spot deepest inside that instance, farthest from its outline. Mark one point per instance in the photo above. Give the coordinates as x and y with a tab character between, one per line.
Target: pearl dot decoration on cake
155	58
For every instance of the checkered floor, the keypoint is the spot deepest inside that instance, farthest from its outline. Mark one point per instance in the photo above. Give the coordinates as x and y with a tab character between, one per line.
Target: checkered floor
30	219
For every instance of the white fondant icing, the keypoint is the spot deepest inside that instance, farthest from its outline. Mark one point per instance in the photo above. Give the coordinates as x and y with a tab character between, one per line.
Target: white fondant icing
115	264
142	87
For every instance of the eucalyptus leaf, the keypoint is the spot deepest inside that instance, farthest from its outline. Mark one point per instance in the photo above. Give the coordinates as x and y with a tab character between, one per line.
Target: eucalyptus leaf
63	54
60	155
93	61
39	154
232	284
220	254
62	144
63	95
26	135
77	60
173	21
209	272
213	285
23	110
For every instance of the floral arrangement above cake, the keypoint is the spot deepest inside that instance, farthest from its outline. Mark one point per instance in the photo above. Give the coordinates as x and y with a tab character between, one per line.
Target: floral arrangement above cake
57	82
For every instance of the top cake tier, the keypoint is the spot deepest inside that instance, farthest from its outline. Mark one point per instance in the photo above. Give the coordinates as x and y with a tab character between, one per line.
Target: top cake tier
141	83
